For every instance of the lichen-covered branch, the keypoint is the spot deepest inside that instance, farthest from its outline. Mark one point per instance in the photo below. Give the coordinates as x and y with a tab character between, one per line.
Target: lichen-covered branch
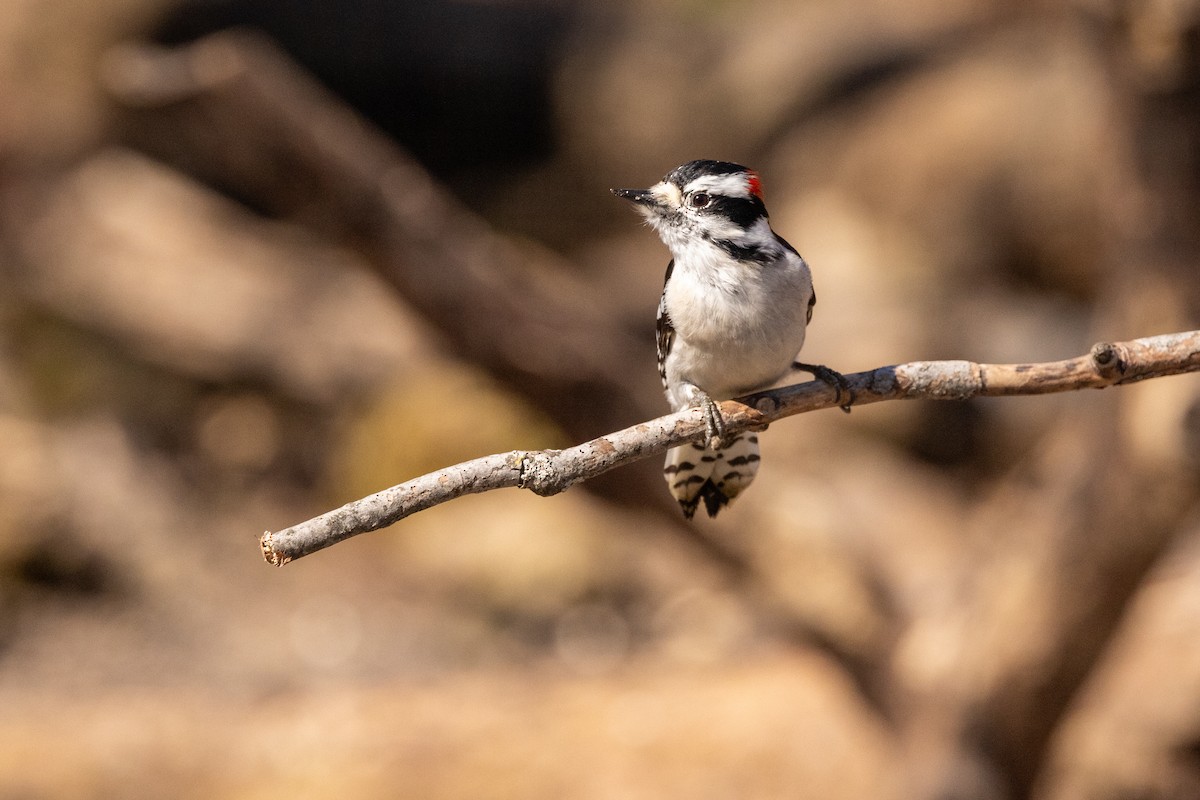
548	472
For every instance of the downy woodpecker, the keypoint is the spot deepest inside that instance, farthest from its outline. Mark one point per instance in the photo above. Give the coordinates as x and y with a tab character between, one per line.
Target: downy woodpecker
734	306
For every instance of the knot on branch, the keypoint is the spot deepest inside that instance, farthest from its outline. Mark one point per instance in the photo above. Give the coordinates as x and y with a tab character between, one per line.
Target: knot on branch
1107	358
746	413
538	472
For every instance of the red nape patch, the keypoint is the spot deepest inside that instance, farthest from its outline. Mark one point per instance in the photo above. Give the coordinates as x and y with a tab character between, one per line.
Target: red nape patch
755	184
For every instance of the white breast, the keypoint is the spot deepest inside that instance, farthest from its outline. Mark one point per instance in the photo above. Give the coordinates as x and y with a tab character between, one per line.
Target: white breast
738	326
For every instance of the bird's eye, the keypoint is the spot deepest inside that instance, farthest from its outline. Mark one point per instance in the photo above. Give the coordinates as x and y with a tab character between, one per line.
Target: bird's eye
699	200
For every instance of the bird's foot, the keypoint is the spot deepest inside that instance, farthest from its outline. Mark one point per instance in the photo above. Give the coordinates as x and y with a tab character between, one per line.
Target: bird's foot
714	423
845	395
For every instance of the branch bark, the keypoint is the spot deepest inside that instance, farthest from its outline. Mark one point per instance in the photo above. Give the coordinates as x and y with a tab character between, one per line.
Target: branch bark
548	472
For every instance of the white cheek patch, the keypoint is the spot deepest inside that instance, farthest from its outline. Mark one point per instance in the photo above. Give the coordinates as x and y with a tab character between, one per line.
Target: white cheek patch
732	185
718	227
758	233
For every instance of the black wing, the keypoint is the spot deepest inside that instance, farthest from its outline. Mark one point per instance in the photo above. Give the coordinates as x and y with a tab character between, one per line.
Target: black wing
812	301
666	331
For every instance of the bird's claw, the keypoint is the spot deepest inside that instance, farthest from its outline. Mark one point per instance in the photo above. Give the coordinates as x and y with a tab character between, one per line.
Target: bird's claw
714	423
845	395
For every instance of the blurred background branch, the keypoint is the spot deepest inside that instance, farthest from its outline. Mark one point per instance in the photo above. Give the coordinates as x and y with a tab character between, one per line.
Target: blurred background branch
261	258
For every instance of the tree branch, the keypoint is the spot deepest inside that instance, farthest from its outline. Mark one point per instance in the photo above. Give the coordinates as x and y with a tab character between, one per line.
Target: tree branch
548	472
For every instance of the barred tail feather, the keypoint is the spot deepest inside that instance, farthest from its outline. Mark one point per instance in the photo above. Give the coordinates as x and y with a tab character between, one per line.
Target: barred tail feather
694	473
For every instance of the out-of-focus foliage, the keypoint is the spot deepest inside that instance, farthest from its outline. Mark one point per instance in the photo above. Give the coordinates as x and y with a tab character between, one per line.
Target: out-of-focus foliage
989	600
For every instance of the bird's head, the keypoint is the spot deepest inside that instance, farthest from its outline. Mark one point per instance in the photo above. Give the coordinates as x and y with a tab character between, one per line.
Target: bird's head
713	201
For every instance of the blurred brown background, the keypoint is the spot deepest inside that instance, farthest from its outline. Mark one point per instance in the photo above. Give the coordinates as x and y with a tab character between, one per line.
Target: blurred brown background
261	258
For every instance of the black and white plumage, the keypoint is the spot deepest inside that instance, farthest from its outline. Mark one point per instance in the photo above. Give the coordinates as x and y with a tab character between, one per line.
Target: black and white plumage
732	316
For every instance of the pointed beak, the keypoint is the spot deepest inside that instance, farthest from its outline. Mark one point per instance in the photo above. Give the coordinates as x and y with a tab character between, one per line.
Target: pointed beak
642	197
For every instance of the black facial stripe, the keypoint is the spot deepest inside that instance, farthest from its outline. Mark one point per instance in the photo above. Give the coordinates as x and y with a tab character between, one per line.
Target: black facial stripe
760	255
741	211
